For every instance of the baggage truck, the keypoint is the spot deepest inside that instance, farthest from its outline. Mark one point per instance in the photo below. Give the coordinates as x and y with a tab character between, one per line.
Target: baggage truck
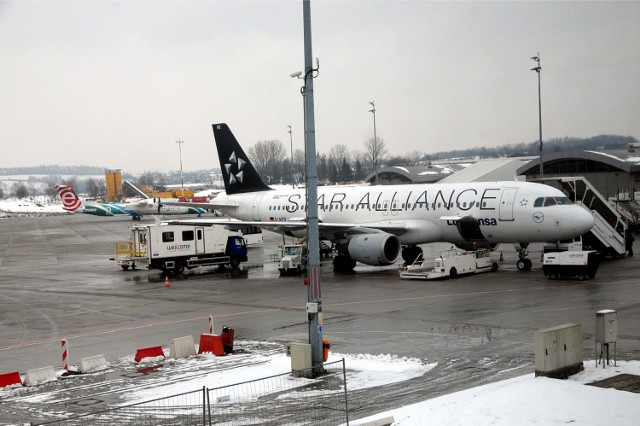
176	247
450	264
580	264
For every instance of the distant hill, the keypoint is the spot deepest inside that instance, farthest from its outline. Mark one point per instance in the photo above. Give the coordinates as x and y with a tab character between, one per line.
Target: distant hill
52	170
601	142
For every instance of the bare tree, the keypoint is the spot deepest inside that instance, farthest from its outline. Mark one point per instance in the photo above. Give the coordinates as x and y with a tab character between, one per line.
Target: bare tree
267	157
374	152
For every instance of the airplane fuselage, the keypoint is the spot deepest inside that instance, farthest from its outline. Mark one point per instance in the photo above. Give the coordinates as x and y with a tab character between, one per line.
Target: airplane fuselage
503	211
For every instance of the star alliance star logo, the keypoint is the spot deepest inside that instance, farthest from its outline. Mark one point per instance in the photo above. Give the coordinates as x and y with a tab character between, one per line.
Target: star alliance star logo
239	165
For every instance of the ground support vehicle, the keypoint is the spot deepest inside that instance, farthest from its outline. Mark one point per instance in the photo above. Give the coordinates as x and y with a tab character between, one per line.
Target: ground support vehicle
580	264
293	259
450	264
174	247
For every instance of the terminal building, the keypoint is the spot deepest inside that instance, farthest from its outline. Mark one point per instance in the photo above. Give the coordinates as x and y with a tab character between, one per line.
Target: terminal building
606	182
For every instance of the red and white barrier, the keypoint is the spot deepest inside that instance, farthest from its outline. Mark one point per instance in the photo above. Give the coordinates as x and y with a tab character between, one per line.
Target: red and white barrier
92	363
152	352
65	355
10	379
211	343
40	375
182	347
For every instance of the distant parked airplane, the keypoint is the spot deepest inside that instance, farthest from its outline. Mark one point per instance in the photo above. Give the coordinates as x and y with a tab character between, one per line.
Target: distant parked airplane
136	209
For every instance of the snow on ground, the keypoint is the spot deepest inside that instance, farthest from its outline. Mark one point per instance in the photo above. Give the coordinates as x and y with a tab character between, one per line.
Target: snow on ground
521	400
530	400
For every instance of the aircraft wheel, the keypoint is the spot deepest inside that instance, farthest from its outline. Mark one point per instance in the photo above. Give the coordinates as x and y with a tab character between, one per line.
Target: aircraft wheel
342	263
527	264
410	254
520	265
124	267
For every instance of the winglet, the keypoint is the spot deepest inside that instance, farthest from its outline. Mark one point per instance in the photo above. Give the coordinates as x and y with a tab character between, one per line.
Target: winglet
238	173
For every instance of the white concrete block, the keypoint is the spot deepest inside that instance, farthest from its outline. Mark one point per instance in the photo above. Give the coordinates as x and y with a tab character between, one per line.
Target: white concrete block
182	347
92	363
40	375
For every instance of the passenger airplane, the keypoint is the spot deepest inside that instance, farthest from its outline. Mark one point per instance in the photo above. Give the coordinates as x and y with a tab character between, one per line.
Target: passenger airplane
71	202
136	209
373	224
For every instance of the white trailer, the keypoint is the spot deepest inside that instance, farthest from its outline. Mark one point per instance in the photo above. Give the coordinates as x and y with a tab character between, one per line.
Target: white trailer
580	264
175	247
450	264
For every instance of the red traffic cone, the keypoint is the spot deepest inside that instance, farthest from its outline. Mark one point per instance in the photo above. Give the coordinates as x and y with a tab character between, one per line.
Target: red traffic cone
542	256
166	281
501	257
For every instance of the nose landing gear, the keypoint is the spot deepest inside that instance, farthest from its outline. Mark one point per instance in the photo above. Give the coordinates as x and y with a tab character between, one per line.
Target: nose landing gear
523	264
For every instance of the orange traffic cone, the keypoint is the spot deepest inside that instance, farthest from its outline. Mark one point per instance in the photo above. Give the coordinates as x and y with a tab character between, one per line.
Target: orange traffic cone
501	257
166	281
542	256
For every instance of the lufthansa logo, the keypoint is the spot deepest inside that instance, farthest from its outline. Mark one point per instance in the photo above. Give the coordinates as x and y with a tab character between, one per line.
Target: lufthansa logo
538	217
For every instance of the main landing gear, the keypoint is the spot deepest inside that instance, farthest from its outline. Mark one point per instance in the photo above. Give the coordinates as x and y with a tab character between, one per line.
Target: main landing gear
523	264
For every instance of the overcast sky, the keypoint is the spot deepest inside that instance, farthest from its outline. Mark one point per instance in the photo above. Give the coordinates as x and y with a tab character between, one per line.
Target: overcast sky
115	84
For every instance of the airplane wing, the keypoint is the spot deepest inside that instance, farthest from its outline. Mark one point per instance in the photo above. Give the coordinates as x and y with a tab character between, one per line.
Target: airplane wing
210	205
395	228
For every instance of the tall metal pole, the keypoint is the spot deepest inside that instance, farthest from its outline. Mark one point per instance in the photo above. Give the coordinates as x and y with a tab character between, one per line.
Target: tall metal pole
314	305
179	142
537	69
375	141
293	181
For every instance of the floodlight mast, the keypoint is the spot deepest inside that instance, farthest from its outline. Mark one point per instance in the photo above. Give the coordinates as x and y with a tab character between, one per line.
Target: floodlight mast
537	69
314	301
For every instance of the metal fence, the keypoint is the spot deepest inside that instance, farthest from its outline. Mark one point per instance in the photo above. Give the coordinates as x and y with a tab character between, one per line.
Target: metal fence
276	400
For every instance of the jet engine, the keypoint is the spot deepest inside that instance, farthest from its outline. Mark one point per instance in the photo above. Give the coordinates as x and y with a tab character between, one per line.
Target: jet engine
374	249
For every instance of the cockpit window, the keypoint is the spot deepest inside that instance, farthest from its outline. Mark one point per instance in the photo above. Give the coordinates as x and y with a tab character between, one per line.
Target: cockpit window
551	201
562	201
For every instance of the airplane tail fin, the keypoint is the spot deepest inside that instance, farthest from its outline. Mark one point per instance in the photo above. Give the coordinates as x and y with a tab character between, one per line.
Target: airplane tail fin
70	200
238	173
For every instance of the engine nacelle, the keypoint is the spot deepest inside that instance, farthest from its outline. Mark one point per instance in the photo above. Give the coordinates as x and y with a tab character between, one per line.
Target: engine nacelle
473	247
374	249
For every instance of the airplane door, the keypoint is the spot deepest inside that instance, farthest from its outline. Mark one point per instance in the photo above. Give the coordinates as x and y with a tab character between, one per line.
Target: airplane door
256	207
199	239
506	203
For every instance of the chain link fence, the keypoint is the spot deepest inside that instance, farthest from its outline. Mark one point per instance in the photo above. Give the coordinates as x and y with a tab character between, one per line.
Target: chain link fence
276	400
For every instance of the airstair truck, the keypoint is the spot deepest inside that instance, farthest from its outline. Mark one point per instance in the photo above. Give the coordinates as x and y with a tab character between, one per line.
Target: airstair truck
175	247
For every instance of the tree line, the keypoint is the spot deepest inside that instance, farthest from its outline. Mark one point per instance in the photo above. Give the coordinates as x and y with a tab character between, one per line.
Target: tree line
276	166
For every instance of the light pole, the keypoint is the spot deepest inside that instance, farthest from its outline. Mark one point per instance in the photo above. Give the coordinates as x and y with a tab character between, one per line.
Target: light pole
293	181
375	141
179	142
537	69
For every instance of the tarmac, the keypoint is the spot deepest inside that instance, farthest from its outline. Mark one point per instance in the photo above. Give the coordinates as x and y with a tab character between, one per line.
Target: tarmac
56	281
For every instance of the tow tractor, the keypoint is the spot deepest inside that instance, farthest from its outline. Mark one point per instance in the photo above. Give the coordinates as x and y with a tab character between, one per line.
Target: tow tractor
293	259
450	264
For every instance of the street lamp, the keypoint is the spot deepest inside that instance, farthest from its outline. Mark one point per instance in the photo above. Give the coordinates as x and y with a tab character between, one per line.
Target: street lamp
291	139
179	142
537	69
375	141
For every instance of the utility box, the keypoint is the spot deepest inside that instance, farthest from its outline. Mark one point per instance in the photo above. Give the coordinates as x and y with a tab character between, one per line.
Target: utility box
558	351
606	326
300	354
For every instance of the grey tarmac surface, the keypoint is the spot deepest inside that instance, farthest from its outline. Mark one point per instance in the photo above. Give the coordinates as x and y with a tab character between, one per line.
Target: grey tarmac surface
56	281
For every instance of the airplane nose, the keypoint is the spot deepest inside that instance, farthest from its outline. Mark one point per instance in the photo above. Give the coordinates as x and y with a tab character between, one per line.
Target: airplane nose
582	220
